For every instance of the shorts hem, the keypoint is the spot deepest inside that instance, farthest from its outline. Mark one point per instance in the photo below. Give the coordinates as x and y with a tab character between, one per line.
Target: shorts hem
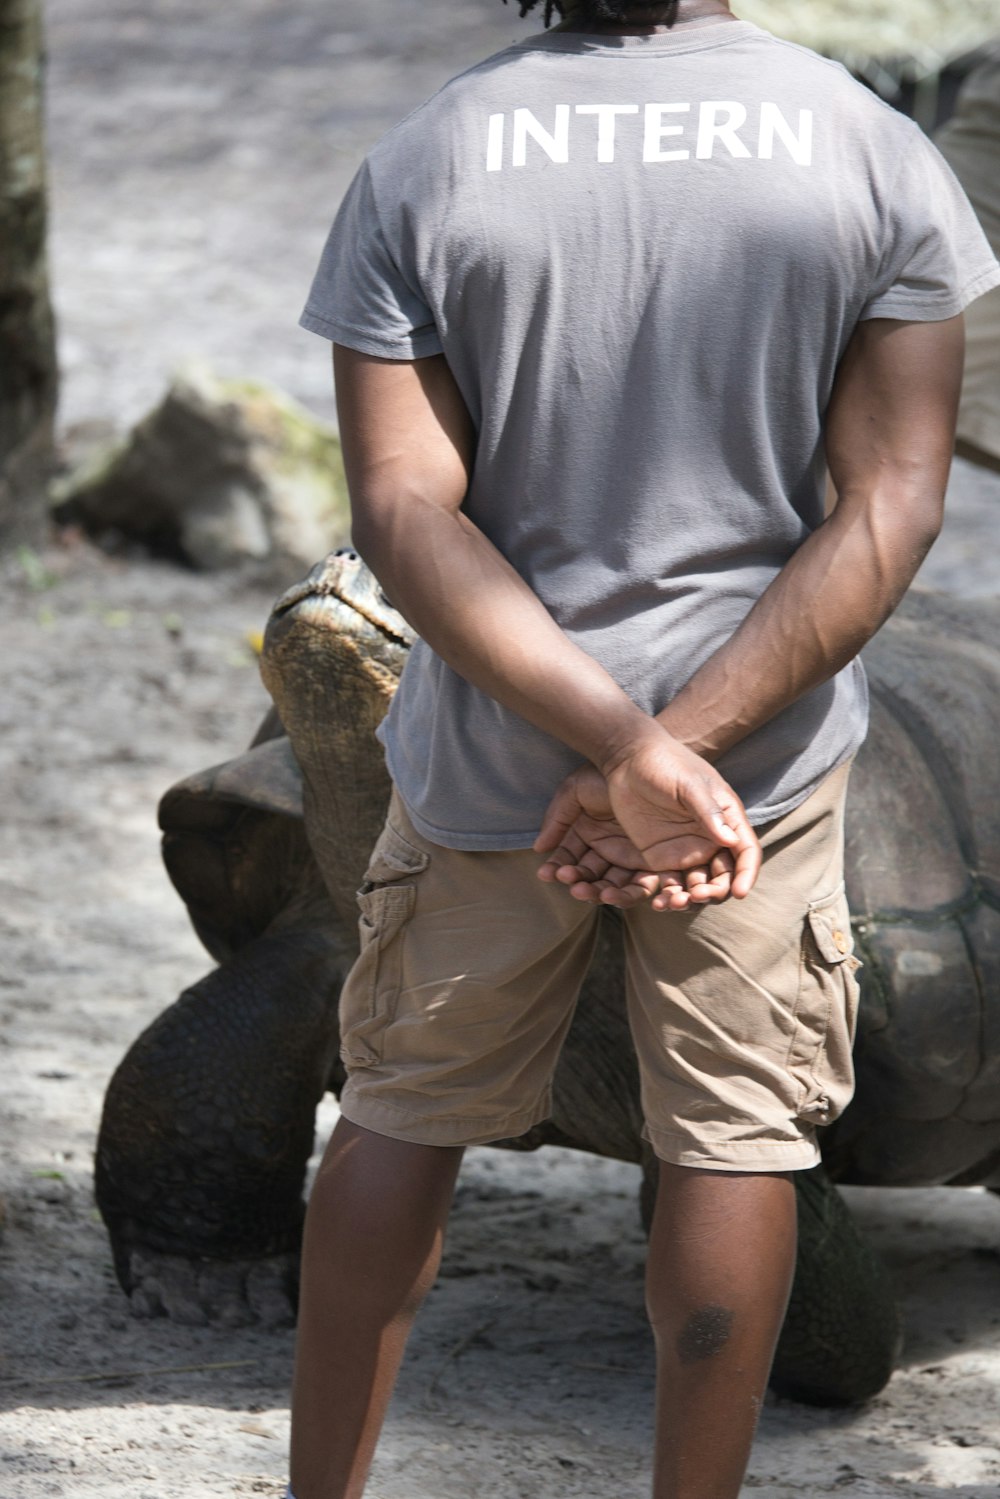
732	1155
400	1124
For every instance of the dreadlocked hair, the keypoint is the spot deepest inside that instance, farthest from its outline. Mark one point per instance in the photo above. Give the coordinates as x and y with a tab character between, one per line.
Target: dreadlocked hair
550	7
591	10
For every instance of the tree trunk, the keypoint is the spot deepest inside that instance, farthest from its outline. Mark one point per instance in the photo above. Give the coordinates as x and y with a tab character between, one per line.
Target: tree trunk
27	343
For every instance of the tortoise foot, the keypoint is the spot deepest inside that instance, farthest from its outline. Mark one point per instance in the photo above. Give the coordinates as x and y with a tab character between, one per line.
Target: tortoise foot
208	1127
842	1331
218	1293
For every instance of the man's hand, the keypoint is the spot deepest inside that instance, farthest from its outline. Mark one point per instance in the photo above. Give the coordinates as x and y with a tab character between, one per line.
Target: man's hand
601	866
661	825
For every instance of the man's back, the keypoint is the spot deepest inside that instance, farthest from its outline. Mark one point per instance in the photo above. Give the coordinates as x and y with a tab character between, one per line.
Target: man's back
642	257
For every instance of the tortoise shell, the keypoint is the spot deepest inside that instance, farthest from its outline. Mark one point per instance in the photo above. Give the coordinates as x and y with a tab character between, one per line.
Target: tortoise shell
923	852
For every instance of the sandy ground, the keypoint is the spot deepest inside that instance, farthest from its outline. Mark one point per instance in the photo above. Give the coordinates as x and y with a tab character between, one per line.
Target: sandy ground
198	153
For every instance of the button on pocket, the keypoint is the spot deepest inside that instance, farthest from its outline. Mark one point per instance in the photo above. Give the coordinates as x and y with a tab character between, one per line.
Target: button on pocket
830	924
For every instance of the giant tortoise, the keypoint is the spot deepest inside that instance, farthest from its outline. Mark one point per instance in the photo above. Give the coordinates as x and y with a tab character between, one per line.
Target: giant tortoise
208	1122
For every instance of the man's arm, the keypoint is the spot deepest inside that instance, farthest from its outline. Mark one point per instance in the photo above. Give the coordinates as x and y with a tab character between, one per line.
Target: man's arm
408	447
890	431
889	437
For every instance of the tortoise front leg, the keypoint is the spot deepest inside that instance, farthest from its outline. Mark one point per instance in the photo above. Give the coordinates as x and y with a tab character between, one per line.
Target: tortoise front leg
207	1130
842	1331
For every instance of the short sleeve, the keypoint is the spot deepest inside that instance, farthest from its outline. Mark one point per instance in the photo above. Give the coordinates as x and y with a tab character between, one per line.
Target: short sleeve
359	296
936	258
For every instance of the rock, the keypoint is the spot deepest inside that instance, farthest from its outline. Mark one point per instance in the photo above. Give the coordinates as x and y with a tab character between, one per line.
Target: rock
220	473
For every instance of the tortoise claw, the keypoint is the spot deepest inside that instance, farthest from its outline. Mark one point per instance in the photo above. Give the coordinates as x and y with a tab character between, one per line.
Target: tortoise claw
218	1293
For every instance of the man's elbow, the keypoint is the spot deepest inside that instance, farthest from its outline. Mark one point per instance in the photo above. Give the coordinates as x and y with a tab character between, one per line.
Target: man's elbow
366	535
903	543
380	509
391	521
926	520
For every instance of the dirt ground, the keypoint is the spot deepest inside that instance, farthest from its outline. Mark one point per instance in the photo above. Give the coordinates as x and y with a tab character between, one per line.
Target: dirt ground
198	153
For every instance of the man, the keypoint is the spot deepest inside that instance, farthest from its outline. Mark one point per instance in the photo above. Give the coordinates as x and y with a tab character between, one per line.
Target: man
603	311
970	143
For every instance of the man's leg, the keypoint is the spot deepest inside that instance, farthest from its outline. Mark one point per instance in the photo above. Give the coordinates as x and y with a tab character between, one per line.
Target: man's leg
721	1259
743	1016
451	1024
373	1238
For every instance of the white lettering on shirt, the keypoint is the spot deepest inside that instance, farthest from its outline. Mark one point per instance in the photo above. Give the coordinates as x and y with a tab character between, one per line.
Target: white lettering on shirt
606	125
555	145
773	122
494	144
724	128
655	131
711	129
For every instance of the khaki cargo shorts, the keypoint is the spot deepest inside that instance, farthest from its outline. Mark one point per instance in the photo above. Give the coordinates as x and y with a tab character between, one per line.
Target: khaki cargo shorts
742	1014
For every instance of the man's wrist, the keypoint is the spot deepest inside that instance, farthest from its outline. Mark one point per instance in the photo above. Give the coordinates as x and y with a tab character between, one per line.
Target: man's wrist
705	745
627	739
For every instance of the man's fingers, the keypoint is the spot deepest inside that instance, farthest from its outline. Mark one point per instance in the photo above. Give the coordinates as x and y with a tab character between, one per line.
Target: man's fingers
714	883
625	891
672	895
593	847
568	865
711	891
620	879
560	815
695	882
588	891
624	888
715	814
625	897
723	816
590	865
711	883
615	886
728	875
679	855
744	848
748	862
583	792
572	848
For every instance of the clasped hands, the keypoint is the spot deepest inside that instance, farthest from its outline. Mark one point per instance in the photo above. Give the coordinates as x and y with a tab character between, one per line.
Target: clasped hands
657	823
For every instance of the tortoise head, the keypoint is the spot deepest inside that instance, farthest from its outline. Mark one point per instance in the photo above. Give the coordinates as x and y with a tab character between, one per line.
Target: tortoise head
343	601
334	648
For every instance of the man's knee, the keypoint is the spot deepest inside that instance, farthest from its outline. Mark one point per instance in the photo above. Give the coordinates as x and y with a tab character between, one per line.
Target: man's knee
703	1333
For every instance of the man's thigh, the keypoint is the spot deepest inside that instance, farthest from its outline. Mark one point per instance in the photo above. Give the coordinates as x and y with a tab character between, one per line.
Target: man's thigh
454	1013
743	1013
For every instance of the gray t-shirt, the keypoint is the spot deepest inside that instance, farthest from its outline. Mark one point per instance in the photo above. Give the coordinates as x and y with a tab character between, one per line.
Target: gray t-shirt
642	258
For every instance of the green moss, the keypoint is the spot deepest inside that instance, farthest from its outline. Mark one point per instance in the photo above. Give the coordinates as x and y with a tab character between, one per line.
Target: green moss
303	447
928	31
248	449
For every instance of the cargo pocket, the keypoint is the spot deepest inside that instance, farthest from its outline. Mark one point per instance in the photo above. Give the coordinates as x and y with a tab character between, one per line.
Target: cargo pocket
386	901
827	1011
